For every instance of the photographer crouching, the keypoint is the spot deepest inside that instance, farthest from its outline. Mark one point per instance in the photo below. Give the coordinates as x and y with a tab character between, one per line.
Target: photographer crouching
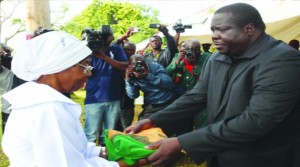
152	79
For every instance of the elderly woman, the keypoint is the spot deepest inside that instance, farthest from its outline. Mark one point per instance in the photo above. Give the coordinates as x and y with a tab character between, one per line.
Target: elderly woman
44	129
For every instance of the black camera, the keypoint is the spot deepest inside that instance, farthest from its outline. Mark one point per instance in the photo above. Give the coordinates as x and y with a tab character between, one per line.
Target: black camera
154	25
179	27
138	67
189	53
96	39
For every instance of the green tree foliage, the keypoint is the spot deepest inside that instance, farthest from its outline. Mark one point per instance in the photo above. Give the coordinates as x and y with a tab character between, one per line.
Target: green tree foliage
120	16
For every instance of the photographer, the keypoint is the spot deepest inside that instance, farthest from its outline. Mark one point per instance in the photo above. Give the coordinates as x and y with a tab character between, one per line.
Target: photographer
157	53
103	89
185	69
152	79
6	81
187	64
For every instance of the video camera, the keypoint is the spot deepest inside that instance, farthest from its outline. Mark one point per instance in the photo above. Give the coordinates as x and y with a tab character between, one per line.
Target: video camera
96	39
154	25
179	27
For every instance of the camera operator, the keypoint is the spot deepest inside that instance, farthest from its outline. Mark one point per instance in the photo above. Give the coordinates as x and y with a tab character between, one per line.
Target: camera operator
103	89
153	80
6	80
157	53
185	69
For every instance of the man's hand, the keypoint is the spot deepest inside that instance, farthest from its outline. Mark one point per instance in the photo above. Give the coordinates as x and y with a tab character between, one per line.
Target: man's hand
168	150
181	55
129	32
2	53
99	54
139	126
129	72
163	29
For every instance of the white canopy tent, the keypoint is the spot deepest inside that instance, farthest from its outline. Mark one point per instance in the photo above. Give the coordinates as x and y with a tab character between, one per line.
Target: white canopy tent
282	20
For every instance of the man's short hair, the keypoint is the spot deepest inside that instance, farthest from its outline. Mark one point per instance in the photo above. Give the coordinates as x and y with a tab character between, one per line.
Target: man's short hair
157	37
136	57
244	14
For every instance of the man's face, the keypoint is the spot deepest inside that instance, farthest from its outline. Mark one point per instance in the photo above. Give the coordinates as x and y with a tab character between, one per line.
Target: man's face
155	43
228	37
108	41
129	49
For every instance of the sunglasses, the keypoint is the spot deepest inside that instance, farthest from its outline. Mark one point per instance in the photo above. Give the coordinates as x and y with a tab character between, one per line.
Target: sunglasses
87	69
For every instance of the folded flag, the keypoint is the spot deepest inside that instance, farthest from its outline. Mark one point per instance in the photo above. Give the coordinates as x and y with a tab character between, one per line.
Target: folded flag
131	147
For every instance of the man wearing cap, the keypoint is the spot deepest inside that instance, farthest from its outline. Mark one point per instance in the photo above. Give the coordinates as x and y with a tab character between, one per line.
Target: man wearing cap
206	47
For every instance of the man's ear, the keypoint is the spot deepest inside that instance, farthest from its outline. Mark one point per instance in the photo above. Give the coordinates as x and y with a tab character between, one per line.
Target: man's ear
250	29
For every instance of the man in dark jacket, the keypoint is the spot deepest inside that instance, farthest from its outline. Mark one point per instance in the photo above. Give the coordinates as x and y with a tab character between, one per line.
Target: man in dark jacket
162	56
251	88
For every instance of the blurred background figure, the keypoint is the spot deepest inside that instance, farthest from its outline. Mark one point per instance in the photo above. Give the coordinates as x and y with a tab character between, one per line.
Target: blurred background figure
206	48
6	57
6	81
294	43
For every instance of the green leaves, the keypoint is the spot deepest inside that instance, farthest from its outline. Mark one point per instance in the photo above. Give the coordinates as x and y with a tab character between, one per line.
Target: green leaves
120	16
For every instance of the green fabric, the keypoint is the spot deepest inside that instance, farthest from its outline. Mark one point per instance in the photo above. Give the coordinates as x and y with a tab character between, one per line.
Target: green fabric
126	148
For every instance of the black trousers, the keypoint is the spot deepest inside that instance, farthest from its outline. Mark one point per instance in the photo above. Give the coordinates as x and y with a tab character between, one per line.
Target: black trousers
4	120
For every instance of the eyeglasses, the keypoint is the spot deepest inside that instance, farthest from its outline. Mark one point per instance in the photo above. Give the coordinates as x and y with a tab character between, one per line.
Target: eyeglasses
87	69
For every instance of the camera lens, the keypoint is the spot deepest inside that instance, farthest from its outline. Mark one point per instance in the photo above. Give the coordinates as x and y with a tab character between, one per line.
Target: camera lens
189	54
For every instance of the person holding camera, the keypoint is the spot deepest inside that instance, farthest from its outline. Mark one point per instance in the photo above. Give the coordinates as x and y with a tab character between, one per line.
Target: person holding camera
162	56
153	80
185	69
103	88
6	81
187	64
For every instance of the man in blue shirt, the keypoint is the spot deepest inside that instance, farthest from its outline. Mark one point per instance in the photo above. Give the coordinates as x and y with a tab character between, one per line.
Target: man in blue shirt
152	79
103	89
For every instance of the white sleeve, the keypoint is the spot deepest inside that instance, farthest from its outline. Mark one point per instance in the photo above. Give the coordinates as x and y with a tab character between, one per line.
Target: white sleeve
59	140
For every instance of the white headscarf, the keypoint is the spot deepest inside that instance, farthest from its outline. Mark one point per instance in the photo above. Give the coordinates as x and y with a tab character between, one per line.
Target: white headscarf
48	53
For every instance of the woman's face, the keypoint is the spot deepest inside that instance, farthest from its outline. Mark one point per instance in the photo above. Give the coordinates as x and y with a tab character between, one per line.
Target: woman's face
74	77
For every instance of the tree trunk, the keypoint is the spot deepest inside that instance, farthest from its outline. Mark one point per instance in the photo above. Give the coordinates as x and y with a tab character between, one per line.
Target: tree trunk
38	15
